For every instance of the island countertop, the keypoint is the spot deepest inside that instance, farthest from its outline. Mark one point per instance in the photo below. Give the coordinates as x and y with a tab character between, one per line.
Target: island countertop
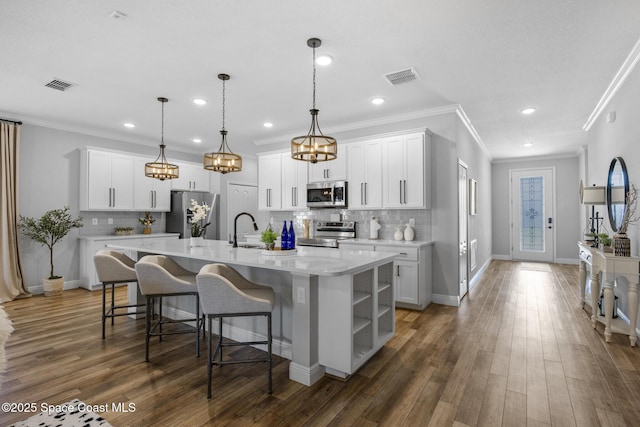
306	260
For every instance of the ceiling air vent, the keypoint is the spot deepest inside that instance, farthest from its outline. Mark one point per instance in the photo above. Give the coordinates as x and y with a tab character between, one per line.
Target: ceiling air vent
60	85
402	76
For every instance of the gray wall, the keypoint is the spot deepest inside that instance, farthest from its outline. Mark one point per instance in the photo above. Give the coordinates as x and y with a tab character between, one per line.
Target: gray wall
49	179
567	226
620	138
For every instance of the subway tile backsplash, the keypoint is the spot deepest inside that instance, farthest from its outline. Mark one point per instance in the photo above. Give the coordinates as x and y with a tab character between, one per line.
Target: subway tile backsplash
120	219
388	219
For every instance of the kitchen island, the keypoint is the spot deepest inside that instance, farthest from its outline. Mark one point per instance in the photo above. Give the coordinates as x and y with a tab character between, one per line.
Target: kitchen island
334	308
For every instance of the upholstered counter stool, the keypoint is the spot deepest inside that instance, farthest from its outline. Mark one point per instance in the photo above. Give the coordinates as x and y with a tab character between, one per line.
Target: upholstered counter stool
113	268
158	277
226	293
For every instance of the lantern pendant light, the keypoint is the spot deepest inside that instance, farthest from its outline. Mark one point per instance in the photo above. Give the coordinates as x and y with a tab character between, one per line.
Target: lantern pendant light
223	161
161	169
315	146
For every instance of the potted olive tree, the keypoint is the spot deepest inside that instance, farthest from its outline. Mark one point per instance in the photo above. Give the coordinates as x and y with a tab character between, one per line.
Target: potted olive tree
48	230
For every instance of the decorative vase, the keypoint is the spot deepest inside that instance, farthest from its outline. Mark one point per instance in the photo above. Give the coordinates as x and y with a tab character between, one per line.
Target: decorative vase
146	230
409	234
194	242
53	287
398	235
621	245
270	246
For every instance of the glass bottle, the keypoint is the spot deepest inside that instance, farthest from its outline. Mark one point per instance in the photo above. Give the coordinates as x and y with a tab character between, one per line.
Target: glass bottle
292	236
284	237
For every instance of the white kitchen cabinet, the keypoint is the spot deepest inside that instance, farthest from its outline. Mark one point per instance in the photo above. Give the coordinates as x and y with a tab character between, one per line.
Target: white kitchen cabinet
355	319
406	163
270	182
191	177
89	245
294	183
411	269
106	181
150	194
333	170
364	174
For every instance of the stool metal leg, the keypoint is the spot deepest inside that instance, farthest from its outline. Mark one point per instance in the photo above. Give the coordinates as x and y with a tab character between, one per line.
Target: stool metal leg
104	307
209	356
113	303
197	326
269	338
147	334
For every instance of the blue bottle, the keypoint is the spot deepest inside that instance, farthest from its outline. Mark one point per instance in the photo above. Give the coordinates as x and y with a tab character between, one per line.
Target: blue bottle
284	237
292	236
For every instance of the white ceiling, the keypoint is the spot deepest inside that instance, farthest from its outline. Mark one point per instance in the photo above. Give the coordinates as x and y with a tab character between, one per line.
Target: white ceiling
493	57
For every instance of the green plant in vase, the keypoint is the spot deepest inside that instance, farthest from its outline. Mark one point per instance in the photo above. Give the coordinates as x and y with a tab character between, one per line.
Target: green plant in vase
147	222
269	237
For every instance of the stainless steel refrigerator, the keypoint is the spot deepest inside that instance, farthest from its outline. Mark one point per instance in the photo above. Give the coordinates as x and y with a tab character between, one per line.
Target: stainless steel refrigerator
179	219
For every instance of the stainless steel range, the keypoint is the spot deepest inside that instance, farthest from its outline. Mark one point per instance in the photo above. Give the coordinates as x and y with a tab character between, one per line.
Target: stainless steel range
327	234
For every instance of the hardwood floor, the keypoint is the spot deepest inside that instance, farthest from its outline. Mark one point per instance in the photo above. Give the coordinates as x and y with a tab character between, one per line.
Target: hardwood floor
518	351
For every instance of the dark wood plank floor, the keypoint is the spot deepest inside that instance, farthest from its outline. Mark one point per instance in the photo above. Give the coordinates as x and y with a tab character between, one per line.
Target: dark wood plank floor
518	351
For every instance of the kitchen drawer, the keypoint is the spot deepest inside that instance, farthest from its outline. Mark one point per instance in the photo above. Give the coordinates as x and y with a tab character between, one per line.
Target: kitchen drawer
408	254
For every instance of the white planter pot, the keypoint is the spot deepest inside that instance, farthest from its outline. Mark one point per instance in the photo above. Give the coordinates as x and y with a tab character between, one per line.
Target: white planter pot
53	287
196	241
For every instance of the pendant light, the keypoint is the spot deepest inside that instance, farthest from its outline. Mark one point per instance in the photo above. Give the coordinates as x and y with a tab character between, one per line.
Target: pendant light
314	147
223	161
161	169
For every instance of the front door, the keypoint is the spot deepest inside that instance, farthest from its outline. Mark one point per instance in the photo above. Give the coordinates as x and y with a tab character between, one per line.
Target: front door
532	214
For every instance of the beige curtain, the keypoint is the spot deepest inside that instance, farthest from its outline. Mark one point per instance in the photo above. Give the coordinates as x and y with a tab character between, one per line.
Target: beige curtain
11	278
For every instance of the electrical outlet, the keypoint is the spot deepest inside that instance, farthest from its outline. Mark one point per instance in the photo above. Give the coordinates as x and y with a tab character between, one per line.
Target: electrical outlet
301	296
110	221
94	221
412	222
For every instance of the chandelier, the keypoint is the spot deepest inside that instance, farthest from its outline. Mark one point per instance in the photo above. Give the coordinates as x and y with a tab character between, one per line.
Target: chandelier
223	161
315	146
161	169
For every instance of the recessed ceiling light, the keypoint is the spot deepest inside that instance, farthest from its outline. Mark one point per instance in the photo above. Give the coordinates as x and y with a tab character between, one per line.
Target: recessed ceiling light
528	110
378	100
267	124
197	140
324	60
199	101
527	144
129	125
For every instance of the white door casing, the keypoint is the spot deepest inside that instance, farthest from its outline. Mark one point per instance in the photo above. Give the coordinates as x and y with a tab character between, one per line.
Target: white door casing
463	197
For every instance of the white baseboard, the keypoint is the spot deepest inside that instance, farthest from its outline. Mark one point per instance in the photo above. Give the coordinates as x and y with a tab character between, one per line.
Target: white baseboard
451	300
572	261
279	348
479	273
501	257
39	289
304	375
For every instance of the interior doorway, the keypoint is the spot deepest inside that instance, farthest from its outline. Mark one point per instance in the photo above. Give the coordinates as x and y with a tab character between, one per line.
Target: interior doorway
532	214
463	226
241	198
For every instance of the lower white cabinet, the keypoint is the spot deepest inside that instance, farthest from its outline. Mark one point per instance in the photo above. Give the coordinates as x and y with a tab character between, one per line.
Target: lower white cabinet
89	245
411	269
355	318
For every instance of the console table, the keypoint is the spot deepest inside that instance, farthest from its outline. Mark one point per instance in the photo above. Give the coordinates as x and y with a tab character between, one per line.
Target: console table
611	268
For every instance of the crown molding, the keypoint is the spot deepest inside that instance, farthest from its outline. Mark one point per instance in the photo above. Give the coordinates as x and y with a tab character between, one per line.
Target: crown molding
429	112
474	134
627	66
537	158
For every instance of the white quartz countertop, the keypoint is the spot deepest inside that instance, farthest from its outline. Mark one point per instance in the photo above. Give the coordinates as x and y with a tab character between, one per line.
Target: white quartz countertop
381	242
132	236
306	260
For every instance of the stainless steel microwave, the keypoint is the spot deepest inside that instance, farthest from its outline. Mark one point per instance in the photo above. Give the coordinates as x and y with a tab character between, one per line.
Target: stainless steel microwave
327	194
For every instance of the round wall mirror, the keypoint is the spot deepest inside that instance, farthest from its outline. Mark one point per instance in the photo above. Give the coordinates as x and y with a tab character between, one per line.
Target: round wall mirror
617	189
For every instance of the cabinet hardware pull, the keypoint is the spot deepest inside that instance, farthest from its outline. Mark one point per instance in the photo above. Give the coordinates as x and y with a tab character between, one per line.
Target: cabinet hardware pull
397	270
114	197
293	196
361	193
401	192
366	202
405	191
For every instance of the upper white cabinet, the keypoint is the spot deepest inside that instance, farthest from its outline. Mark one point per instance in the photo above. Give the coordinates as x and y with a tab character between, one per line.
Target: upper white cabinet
192	177
270	182
106	181
405	168
294	183
333	170
150	194
364	173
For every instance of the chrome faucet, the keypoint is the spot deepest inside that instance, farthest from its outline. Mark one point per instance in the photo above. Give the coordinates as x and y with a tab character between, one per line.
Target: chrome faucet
235	223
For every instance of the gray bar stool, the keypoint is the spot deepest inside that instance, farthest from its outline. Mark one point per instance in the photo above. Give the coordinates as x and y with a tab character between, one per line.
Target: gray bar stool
114	267
158	277
226	293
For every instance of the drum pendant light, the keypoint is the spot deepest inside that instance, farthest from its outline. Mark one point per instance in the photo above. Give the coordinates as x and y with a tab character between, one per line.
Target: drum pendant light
223	161
315	146
161	169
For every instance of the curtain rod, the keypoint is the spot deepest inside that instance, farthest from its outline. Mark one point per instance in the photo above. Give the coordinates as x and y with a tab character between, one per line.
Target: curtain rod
10	121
